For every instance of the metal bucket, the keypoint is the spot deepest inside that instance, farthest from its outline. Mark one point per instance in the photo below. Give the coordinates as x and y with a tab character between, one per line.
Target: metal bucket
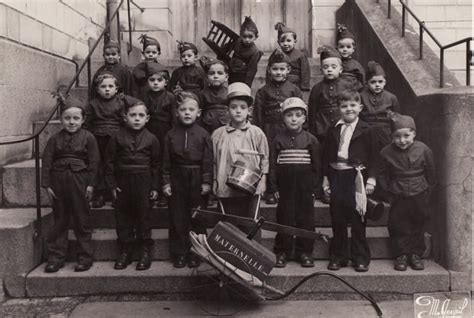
243	177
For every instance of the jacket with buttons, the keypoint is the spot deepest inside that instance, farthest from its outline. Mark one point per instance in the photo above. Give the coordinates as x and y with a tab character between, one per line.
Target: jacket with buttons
376	106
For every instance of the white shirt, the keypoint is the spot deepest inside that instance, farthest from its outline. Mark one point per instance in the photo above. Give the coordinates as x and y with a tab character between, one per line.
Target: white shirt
345	141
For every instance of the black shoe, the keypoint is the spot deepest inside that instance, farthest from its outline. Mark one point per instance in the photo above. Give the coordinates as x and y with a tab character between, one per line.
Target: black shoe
53	267
83	266
306	260
193	261
145	261
98	201
361	268
336	265
416	263
123	260
401	263
179	262
280	260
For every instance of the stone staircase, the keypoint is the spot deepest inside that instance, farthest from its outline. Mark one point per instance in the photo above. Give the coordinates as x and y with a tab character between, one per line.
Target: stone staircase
18	199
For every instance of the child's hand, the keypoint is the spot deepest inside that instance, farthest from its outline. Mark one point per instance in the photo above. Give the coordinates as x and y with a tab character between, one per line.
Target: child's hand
276	195
214	186
167	190
153	195
326	186
205	188
89	192
115	192
51	194
262	185
369	188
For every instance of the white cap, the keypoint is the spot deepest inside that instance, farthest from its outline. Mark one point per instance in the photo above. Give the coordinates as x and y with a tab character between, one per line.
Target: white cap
239	89
293	102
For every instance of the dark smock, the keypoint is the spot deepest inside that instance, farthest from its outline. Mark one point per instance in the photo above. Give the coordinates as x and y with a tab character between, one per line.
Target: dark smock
353	73
243	64
162	107
214	108
69	166
190	78
300	72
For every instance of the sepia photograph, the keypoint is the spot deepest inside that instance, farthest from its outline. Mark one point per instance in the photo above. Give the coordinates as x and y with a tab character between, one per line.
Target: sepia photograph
243	158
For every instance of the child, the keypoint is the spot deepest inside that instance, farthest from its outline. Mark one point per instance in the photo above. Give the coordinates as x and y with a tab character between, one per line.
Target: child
352	71
188	77
70	162
103	120
349	148
234	142
300	72
132	161
410	171
187	177
244	61
378	102
112	65
294	166
151	51
214	96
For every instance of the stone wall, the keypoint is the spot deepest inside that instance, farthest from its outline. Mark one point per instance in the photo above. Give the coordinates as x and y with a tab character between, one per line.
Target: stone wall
27	75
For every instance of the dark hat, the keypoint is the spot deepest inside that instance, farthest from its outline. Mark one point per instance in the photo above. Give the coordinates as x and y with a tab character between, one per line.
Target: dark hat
131	101
399	121
69	102
249	25
326	52
278	57
282	29
153	68
112	44
146	40
343	33
184	46
374	69
375	209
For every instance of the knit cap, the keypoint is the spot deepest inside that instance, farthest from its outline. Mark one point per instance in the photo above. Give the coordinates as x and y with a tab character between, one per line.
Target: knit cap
278	57
153	68
249	25
69	102
146	40
343	33
184	46
374	69
399	121
326	52
282	29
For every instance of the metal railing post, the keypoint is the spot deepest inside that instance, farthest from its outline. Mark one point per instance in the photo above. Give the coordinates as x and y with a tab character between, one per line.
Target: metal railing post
468	62
111	7
421	41
403	20
389	9
129	49
89	79
38	226
441	67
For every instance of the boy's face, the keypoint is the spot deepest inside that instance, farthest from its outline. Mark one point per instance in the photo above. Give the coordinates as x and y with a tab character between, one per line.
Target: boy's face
294	119
287	42
111	56
331	68
151	52
239	111
136	117
157	83
248	37
188	111
376	84
346	47
403	138
107	88
217	75
279	71
188	58
350	110
72	119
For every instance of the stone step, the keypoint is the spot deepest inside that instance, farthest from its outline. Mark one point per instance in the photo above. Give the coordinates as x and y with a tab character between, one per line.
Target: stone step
105	244
162	278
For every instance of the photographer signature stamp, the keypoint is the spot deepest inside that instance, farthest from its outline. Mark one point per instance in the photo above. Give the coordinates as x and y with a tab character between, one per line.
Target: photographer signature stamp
442	305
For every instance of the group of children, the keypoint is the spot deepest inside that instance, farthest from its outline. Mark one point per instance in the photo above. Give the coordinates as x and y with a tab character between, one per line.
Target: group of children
177	139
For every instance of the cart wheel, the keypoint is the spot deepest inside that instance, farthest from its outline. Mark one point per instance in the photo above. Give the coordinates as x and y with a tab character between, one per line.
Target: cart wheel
220	294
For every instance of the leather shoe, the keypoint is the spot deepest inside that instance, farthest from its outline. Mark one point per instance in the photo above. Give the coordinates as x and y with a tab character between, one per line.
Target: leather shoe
280	260
123	261
193	261
416	263
401	263
82	266
336	265
307	260
179	262
53	267
145	261
361	268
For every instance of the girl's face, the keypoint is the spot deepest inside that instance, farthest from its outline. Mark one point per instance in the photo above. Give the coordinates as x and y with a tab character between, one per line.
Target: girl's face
346	47
107	89
72	119
376	84
216	76
331	68
239	111
287	42
151	52
157	83
294	119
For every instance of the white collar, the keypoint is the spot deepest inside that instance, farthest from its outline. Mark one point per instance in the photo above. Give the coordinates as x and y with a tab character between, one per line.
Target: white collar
353	124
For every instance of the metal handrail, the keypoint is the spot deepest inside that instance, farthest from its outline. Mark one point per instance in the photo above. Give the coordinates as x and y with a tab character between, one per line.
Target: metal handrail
35	136
442	48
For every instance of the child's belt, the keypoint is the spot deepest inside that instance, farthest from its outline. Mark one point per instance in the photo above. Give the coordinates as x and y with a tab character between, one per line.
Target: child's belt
409	174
